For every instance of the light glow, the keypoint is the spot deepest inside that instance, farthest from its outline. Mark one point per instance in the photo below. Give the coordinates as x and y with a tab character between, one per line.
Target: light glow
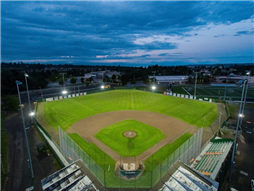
241	115
26	75
64	92
153	87
102	87
31	114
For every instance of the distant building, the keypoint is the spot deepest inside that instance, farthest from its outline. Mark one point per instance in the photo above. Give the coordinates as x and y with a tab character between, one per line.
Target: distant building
169	79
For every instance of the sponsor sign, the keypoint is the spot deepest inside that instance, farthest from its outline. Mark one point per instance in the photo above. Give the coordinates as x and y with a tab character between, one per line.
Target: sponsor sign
182	95
186	96
165	93
174	94
200	99
65	96
73	95
191	97
77	94
49	99
60	97
69	96
81	93
178	95
206	99
210	100
84	93
56	98
171	93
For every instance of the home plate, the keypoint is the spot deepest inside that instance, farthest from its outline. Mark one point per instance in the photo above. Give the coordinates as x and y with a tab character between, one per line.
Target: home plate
244	173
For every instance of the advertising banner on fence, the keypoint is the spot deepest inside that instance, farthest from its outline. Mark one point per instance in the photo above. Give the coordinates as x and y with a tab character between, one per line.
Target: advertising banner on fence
84	93
56	98
191	97
186	96
182	95
174	94
73	95
77	94
69	96
60	97
80	93
49	99
178	95
65	97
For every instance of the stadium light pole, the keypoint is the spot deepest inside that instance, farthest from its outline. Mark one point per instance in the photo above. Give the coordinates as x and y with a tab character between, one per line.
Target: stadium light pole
30	165
220	119
240	115
64	91
28	96
195	85
226	87
245	97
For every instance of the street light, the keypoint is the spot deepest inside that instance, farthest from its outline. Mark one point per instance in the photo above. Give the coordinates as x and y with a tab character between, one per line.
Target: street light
30	165
26	75
102	87
64	92
153	87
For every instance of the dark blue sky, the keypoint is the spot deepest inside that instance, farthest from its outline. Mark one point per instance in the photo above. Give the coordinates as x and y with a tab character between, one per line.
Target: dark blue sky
127	33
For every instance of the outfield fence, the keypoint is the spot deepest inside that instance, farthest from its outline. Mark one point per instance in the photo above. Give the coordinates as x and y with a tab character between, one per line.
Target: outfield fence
155	167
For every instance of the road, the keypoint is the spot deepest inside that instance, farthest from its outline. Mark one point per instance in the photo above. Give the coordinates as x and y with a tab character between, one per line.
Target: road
19	176
244	162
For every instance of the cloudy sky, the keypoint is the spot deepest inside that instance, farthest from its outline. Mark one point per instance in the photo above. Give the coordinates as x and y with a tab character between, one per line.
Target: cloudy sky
128	32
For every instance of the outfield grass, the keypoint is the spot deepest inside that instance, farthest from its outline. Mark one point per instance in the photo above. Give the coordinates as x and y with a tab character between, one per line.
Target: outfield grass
146	137
68	111
99	156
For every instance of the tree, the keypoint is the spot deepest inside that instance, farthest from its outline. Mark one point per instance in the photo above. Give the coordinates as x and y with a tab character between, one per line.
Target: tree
73	80
61	82
10	103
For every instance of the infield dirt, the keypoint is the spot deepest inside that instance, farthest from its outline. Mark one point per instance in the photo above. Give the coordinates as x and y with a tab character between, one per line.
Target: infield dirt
173	128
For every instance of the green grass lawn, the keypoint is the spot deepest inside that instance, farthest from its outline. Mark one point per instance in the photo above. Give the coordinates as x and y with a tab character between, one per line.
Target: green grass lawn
68	111
146	137
99	156
158	157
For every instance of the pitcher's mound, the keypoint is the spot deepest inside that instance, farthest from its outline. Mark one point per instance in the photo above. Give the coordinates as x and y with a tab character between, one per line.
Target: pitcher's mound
130	134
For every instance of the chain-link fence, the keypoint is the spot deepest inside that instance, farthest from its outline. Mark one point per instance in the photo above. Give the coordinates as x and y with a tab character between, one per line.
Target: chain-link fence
155	167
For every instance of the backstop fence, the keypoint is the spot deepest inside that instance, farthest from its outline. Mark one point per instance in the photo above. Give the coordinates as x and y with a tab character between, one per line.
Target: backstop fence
156	166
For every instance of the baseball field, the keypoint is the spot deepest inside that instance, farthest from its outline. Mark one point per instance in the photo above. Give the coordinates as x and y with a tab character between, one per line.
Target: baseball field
99	123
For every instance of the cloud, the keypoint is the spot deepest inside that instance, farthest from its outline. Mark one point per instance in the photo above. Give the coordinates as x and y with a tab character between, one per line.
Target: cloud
87	31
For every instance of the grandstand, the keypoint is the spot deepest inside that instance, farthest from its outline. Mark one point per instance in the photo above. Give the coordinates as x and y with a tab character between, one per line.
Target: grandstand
212	160
182	178
70	178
